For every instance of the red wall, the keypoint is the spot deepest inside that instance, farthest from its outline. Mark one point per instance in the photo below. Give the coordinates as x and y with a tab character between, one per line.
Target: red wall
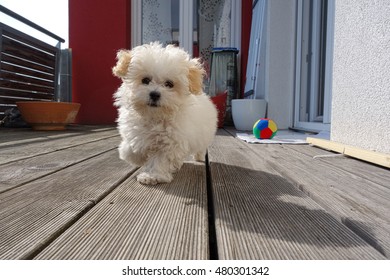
97	29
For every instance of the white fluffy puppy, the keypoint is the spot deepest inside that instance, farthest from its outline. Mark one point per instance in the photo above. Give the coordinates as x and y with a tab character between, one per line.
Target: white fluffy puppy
164	116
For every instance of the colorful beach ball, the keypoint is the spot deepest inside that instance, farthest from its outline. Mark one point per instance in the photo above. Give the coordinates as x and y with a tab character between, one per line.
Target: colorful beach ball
265	129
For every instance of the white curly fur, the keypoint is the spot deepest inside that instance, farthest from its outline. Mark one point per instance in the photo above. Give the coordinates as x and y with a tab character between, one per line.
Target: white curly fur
164	117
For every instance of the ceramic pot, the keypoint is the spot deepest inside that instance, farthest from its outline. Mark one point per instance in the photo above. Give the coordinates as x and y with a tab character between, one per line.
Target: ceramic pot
48	115
246	112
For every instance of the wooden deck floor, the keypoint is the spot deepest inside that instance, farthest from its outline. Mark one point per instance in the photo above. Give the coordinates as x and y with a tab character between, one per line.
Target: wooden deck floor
66	195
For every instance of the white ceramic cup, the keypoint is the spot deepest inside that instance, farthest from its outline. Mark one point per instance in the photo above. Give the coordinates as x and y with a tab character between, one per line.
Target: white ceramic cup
246	112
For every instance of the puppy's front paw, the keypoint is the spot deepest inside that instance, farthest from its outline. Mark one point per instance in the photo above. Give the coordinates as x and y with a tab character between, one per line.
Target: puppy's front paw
146	178
200	157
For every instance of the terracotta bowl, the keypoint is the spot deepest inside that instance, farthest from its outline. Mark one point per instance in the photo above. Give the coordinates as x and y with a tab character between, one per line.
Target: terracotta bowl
48	115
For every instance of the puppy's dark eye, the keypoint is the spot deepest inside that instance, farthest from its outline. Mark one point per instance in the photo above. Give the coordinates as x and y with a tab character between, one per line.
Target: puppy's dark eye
169	84
145	81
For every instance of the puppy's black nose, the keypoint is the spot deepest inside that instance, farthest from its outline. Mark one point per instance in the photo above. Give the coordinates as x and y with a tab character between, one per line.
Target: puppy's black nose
154	96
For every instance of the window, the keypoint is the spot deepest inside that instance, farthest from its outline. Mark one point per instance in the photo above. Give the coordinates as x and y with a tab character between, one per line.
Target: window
315	21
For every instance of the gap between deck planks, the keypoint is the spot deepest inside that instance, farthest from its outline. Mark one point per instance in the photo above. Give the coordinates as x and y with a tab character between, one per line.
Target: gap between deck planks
259	214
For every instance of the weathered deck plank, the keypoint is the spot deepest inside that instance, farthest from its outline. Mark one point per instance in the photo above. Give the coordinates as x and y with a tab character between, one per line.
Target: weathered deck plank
34	214
15	146
261	215
357	168
167	221
15	136
17	173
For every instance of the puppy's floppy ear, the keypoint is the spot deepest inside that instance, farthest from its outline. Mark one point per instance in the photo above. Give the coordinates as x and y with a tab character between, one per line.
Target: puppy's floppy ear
124	58
195	76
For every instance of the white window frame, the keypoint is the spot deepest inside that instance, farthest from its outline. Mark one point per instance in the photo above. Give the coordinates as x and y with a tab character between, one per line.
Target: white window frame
186	27
324	124
259	10
136	23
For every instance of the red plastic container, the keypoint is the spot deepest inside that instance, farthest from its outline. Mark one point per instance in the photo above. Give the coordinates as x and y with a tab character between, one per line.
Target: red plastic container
220	103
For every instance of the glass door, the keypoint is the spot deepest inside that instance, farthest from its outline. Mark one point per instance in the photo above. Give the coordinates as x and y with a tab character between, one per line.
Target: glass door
166	21
195	25
314	64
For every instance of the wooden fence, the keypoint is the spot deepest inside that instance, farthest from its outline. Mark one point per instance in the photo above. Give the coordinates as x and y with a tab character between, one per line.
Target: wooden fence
28	66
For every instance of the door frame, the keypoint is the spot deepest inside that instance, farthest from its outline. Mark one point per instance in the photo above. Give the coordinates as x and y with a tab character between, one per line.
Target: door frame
257	40
314	124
